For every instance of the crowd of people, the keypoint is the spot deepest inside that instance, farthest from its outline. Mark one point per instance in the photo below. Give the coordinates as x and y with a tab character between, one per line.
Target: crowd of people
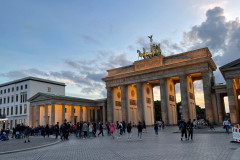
85	130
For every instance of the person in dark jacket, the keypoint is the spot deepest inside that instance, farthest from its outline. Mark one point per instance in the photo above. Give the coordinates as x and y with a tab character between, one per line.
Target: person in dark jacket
129	131
27	132
100	129
57	129
190	129
14	133
140	128
183	127
47	130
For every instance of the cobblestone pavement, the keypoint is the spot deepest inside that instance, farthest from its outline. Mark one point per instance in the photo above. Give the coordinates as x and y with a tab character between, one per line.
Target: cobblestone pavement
167	145
17	144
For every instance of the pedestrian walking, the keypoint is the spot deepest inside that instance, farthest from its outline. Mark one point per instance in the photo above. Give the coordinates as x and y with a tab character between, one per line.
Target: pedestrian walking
27	132
190	129
57	129
156	128
112	129
85	129
100	129
47	131
195	123
140	128
226	125
183	127
129	131
123	126
90	129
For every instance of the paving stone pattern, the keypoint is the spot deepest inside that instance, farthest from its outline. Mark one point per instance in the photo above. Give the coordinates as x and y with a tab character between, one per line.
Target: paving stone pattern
167	145
17	144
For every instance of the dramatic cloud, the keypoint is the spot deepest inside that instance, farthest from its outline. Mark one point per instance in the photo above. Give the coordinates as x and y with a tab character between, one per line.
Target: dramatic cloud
220	36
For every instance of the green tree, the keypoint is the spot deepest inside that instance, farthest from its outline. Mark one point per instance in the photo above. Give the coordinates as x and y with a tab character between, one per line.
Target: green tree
200	112
158	113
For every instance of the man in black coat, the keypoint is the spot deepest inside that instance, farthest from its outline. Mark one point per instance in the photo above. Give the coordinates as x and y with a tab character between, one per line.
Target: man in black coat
183	127
190	129
57	129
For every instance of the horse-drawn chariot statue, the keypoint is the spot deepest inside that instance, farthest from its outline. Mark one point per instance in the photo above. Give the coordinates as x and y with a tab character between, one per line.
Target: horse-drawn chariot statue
155	50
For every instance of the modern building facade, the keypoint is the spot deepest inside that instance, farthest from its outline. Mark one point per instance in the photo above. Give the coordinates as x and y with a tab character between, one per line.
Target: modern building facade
14	95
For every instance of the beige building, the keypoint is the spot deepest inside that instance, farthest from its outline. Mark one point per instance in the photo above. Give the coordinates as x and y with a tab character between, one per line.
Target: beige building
130	88
50	109
231	74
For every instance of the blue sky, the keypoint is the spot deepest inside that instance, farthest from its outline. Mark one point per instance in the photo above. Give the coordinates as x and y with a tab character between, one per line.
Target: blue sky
77	41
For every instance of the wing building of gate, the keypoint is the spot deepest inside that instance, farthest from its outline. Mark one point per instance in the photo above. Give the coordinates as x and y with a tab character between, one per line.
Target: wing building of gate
130	88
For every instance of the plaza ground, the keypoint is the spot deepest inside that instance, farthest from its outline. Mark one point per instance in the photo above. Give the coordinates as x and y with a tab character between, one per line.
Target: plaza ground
167	145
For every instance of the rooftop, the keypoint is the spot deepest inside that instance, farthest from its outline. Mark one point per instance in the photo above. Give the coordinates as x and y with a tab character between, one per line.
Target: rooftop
33	79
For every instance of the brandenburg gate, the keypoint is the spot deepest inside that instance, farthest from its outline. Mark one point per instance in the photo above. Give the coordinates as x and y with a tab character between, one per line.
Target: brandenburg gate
130	88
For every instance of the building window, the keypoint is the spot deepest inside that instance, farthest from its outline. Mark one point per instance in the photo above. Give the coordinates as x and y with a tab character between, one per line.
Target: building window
7	111
25	86
3	111
16	123
25	97
20	112
4	100
8	99
16	110
1	92
0	111
4	90
12	89
16	88
8	90
1	101
20	121
49	89
21	87
12	99
24	122
16	98
11	110
25	108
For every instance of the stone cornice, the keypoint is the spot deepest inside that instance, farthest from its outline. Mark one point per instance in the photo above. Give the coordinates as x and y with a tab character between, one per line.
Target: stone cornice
183	65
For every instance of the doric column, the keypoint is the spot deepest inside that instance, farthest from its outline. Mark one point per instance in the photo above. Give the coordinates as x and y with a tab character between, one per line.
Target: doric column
219	108
81	113
124	103
140	101
104	115
63	113
110	117
88	114
206	78
164	107
53	114
96	117
37	115
72	113
46	113
232	102
184	97
30	115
